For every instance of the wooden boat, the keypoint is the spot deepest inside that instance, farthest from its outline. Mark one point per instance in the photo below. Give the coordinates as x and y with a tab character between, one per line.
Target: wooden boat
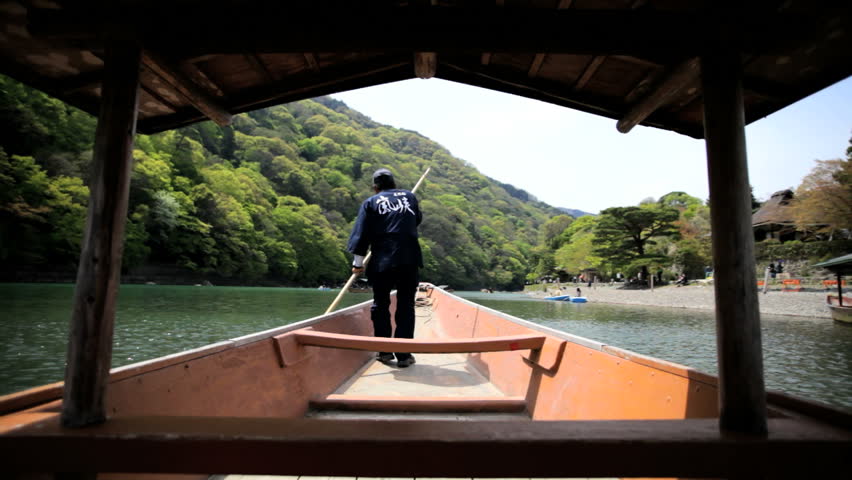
841	310
840	306
233	407
285	400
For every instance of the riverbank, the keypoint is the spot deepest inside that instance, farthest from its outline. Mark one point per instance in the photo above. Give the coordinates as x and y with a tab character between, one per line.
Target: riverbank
803	304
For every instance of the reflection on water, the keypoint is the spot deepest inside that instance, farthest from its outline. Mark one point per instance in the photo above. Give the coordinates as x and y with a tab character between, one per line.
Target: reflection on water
811	357
151	321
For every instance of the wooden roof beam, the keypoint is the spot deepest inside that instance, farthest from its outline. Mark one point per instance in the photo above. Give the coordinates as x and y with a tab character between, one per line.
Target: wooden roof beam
313	63
258	65
197	97
83	81
679	79
596	32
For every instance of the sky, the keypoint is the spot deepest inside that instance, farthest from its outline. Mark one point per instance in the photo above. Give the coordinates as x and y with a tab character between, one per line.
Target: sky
572	159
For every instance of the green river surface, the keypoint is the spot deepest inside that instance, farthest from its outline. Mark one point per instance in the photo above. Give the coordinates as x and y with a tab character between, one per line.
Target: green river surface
808	357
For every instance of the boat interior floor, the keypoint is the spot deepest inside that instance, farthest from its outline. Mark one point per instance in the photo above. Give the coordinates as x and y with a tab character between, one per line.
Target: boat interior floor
434	375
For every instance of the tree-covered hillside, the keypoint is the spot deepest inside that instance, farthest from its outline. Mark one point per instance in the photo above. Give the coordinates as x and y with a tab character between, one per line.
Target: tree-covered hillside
269	199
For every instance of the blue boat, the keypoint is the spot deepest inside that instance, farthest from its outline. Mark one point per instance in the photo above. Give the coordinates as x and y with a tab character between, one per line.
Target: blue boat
568	298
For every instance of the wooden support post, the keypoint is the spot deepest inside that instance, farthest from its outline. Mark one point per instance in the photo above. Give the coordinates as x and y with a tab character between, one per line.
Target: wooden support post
98	274
425	64
742	396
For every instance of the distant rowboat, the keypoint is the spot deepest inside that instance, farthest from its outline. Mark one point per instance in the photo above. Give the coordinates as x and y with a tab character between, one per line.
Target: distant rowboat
840	311
568	298
840	306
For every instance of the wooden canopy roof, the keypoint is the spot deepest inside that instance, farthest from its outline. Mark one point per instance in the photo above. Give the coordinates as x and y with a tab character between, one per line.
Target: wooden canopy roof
630	60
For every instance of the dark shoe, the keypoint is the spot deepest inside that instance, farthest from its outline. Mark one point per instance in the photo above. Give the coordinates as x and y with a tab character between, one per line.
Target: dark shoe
385	358
406	362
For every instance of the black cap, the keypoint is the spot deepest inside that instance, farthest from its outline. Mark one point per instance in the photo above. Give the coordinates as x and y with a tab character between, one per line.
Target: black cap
382	172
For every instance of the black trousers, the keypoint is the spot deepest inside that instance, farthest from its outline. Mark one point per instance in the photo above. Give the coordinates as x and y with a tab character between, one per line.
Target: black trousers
405	279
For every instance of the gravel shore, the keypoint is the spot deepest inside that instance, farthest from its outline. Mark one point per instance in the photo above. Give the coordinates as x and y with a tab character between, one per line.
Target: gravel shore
802	304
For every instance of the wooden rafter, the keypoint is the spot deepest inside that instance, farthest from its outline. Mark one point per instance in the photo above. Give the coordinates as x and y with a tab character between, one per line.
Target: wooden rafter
536	65
551	92
598	60
258	65
589	72
84	81
197	75
186	88
313	63
538	61
674	84
306	85
152	92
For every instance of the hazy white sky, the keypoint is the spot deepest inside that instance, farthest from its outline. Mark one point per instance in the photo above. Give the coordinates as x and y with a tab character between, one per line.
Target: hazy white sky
577	160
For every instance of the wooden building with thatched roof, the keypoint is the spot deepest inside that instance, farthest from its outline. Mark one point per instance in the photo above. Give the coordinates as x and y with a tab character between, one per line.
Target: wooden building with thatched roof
775	219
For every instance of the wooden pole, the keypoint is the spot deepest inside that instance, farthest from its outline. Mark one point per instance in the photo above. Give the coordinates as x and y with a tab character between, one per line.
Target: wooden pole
98	273
366	258
742	396
766	280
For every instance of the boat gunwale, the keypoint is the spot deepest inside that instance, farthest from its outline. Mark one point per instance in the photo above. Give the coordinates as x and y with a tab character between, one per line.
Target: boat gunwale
645	360
782	403
36	396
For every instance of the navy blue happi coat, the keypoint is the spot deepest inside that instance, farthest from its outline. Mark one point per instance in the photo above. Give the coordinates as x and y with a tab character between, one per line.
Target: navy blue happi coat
387	223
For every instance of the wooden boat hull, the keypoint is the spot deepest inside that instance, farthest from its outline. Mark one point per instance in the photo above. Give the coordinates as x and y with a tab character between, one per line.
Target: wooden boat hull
840	313
208	408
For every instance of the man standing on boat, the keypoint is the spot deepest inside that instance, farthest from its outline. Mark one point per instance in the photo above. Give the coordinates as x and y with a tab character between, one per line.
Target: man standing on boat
387	223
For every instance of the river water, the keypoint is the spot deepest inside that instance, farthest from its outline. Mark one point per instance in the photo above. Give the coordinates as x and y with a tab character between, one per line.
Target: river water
810	357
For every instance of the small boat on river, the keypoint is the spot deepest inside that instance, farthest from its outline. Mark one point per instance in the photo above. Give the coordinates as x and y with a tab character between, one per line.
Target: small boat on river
568	298
840	306
489	391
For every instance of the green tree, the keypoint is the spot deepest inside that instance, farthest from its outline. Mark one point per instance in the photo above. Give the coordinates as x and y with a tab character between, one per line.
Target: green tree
623	234
823	201
576	252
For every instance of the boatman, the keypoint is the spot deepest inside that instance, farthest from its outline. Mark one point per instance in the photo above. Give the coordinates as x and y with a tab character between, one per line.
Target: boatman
387	224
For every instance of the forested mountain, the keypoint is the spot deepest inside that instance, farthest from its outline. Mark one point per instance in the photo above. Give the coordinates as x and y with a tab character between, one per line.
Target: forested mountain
269	199
574	212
